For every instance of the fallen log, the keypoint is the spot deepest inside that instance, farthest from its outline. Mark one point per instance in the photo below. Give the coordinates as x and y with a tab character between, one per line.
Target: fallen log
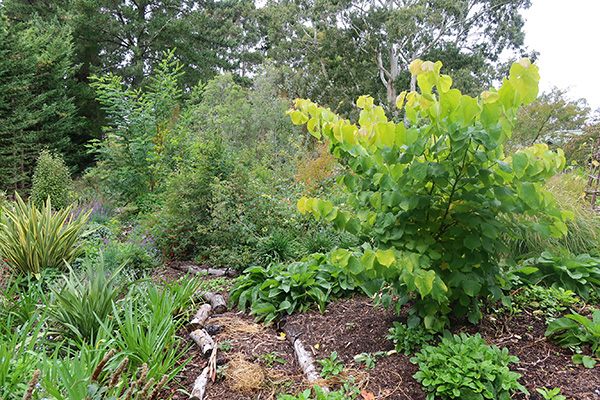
304	357
217	301
201	316
200	385
203	340
199	270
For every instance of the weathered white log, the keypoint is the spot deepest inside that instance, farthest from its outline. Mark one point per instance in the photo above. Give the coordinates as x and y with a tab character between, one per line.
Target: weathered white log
201	316
199	270
304	357
203	340
217	302
200	386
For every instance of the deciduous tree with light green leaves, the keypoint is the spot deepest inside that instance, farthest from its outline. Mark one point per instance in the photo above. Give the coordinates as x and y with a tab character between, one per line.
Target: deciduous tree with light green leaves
436	192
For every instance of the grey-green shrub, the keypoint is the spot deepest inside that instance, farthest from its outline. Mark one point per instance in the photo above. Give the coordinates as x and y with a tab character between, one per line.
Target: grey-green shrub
52	178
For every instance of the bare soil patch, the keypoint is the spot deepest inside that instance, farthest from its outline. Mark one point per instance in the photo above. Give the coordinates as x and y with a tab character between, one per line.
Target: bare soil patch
258	362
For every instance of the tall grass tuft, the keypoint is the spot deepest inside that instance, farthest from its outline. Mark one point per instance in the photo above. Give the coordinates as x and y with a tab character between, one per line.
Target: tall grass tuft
583	231
80	305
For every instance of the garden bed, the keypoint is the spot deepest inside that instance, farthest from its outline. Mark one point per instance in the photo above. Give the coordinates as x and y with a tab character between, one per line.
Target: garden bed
354	326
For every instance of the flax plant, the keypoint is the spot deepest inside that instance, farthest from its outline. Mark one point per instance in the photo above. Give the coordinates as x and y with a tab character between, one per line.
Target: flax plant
32	240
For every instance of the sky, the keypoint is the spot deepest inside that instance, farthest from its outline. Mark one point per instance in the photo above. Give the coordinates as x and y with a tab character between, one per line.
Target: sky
567	36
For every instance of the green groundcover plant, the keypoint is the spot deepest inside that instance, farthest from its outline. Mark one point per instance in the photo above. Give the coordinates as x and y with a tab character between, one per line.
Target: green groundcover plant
464	367
436	192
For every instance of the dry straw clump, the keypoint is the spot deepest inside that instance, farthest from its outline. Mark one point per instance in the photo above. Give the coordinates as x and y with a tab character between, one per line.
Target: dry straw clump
244	376
234	325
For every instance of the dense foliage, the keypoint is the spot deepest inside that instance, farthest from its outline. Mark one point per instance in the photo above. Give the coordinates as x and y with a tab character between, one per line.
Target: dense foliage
437	194
51	179
464	367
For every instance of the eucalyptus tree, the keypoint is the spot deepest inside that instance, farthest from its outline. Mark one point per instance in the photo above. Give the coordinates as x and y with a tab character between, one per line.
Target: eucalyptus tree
376	40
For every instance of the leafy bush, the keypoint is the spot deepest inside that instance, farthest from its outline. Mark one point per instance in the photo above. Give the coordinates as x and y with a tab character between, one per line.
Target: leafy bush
279	289
51	178
137	253
83	302
409	338
32	240
464	367
437	194
579	274
146	133
576	330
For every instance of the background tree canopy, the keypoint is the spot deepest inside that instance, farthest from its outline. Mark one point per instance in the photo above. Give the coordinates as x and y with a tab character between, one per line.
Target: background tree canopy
331	51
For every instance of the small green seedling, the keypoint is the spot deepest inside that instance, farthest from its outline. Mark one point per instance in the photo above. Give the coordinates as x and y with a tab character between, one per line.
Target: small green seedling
331	366
551	394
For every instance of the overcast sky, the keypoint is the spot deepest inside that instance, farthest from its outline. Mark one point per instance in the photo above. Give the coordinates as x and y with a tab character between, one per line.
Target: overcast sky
567	36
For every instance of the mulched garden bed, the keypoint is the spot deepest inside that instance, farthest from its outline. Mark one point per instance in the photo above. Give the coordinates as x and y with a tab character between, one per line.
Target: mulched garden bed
259	363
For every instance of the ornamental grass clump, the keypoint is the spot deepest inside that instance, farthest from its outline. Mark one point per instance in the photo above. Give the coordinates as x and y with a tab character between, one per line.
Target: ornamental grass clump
33	239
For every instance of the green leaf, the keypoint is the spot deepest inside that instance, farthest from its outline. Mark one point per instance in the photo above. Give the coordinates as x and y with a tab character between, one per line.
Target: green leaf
299	118
520	163
386	257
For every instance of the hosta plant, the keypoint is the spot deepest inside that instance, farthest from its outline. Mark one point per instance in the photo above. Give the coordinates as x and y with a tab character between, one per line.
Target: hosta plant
436	192
284	289
464	367
32	240
574	330
579	274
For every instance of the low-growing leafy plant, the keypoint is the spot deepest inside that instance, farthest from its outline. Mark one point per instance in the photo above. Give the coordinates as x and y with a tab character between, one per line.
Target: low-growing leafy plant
269	359
346	392
284	289
550	394
19	356
464	367
32	240
409	338
574	330
146	331
548	302
101	379
579	274
369	358
331	366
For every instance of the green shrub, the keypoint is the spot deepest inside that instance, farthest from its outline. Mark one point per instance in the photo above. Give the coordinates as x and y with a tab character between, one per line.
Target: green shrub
464	367
435	192
346	392
51	178
32	240
278	247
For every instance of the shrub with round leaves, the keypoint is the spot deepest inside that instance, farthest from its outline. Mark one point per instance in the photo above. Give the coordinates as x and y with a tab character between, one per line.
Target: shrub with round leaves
436	192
